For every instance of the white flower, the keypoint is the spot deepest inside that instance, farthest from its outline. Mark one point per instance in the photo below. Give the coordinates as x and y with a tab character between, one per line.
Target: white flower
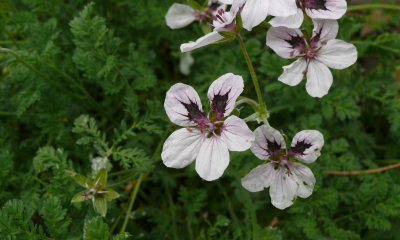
180	15
98	163
286	179
186	60
253	12
206	137
316	55
223	21
315	9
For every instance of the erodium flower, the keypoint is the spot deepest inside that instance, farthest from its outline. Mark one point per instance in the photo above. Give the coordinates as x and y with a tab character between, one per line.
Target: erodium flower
285	178
206	137
181	15
315	9
253	12
315	55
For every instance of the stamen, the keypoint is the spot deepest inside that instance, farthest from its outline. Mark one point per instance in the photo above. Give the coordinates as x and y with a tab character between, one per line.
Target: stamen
189	129
288	172
323	42
304	72
291	54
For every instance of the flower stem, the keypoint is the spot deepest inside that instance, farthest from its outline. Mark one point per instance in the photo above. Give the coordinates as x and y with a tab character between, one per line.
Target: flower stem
132	197
261	107
362	171
372	6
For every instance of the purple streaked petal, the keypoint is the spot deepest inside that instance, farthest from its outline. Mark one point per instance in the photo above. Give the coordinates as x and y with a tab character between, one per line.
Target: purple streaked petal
223	93
326	9
236	134
293	73
283	190
213	159
183	105
282	8
181	148
324	30
304	178
306	145
292	21
210	38
253	12
337	54
319	79
179	16
286	42
268	141
260	177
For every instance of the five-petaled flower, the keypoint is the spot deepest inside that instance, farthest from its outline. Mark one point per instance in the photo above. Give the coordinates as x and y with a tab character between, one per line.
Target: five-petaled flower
181	15
315	9
253	12
285	178
205	137
316	55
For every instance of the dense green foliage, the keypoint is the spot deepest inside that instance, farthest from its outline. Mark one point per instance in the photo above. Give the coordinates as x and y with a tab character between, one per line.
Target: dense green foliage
95	88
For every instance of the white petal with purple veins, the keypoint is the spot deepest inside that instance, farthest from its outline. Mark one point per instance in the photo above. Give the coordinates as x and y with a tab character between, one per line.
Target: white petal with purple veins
268	141
304	178
292	21
283	190
254	12
259	178
212	159
181	148
223	93
293	73
306	145
210	38
337	54
183	105
226	1
319	79
328	9
282	8
179	15
286	42
324	30
236	134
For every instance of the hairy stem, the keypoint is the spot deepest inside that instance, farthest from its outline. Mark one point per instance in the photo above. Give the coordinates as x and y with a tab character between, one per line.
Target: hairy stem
132	197
119	218
362	171
372	6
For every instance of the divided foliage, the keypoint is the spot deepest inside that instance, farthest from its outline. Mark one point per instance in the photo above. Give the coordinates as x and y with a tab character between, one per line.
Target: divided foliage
91	88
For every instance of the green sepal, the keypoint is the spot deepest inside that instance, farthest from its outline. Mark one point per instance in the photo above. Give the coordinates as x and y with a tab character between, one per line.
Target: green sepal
81	180
100	204
194	4
225	40
227	34
101	177
308	19
235	112
205	4
206	29
109	193
239	22
286	141
306	33
212	115
79	198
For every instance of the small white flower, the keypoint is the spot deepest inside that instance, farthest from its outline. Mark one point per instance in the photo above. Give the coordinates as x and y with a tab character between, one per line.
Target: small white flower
206	137
315	9
286	179
98	163
253	12
186	60
316	55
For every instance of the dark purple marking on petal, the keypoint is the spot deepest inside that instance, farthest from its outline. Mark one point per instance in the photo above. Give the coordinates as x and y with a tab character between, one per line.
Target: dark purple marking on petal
297	42
214	6
219	104
299	148
316	4
273	147
194	113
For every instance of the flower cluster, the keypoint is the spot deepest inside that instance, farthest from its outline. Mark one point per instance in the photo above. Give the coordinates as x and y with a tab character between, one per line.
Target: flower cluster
207	137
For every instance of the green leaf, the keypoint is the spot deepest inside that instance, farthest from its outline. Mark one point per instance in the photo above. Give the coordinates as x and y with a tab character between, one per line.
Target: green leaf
194	4
100	204
95	229
55	217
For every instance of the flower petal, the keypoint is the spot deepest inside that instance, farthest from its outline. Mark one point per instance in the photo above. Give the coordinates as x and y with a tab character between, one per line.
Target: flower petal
319	79
326	9
183	105
236	134
283	190
292	21
223	93
304	178
282	8
254	12
230	2
306	145
337	54
286	42
324	30
186	60
293	73
259	178
213	159
210	38
181	148
179	15
268	141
